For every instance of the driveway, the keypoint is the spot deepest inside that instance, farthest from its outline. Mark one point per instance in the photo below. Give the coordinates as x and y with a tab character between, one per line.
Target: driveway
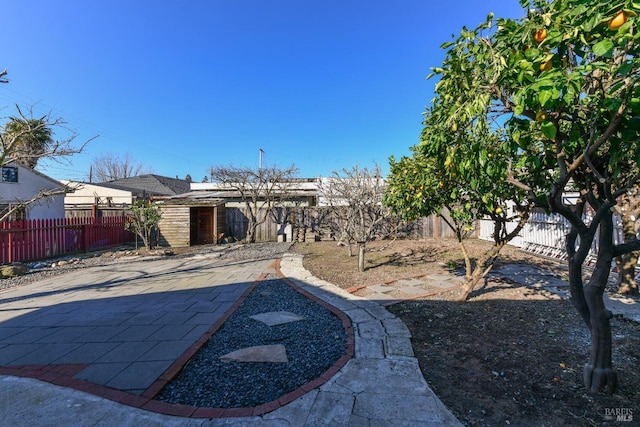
121	325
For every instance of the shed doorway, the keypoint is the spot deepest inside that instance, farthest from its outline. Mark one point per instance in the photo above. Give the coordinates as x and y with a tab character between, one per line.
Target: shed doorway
202	225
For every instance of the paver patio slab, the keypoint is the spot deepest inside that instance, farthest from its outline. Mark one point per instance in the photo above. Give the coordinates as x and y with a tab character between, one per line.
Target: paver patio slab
127	322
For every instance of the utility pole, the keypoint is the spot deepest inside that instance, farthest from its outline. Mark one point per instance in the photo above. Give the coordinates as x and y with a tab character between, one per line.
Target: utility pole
260	159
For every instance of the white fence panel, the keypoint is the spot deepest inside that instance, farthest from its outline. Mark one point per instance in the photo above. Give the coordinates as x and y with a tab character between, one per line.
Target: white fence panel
545	234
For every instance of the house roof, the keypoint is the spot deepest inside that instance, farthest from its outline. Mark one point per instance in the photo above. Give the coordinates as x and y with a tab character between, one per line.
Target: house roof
150	185
196	198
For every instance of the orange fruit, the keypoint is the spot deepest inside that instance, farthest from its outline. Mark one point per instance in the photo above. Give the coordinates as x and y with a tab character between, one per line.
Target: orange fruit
547	65
540	35
617	21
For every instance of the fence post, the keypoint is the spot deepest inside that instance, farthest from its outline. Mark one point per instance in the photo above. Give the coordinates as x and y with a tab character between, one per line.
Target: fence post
10	244
85	237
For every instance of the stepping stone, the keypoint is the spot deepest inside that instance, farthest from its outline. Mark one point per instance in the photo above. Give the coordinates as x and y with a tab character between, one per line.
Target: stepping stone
441	284
382	288
413	291
409	282
274	318
260	353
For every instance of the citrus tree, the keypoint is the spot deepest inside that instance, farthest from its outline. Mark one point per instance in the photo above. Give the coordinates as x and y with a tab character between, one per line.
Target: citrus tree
563	83
462	168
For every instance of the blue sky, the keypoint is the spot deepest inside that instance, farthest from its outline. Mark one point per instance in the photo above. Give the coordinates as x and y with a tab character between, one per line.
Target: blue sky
181	86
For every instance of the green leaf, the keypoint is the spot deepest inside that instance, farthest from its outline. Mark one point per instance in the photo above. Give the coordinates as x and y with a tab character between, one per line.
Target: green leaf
603	48
625	68
532	53
578	10
516	136
549	130
612	104
545	96
592	23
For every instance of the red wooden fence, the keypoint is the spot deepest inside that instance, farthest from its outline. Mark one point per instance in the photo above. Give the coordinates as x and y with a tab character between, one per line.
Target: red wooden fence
31	240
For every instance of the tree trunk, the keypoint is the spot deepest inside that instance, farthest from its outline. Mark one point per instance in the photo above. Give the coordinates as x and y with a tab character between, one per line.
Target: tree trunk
361	249
483	267
251	233
501	237
598	373
146	239
465	254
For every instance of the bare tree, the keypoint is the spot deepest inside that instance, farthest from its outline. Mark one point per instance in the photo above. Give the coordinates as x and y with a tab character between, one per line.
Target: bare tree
259	189
45	195
12	138
355	198
110	167
25	140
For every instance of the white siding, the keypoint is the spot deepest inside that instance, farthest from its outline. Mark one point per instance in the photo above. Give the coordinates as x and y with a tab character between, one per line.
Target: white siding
86	194
29	184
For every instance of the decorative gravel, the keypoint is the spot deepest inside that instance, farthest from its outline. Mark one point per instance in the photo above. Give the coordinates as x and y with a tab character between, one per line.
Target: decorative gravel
313	345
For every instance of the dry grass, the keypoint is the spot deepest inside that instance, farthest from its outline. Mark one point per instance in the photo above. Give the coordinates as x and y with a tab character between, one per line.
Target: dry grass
386	260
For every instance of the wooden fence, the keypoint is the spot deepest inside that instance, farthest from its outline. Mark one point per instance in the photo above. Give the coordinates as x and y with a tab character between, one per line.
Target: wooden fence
95	211
317	222
237	223
31	240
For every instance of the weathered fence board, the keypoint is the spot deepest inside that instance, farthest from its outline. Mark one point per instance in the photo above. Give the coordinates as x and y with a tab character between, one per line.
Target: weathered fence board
30	240
315	222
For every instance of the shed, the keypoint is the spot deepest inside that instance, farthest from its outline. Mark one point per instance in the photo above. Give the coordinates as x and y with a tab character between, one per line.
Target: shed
190	221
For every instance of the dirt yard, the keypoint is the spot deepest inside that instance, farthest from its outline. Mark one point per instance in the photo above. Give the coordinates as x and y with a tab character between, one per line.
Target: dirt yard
510	355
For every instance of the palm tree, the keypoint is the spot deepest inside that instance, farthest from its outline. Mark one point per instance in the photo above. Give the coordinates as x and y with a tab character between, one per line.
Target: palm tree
29	139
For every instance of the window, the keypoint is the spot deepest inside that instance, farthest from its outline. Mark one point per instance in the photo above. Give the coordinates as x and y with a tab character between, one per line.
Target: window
9	174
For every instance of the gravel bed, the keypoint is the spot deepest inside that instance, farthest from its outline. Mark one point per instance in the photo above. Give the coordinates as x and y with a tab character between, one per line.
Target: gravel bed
313	345
41	270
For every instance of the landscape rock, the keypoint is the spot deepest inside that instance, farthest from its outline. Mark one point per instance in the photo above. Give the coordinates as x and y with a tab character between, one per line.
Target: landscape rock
13	270
260	353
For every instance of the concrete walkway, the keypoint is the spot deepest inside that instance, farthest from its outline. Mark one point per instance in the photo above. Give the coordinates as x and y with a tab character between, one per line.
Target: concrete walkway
117	331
